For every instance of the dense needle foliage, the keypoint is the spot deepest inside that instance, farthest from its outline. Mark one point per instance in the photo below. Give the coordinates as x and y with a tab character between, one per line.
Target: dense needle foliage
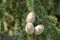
13	14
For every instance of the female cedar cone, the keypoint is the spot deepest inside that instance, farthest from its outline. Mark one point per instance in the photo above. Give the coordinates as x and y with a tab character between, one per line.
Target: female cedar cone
30	17
39	29
29	28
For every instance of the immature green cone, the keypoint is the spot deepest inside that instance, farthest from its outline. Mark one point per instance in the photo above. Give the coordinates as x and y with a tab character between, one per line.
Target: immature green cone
6	14
5	26
4	1
29	28
10	33
30	17
39	29
16	24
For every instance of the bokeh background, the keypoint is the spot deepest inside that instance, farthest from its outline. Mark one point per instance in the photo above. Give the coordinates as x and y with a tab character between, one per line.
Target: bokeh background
13	14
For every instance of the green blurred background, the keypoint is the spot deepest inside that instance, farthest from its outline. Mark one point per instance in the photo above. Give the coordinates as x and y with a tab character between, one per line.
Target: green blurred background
13	14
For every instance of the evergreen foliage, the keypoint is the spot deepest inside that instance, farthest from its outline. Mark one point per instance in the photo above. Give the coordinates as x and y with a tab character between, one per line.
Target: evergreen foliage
13	19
